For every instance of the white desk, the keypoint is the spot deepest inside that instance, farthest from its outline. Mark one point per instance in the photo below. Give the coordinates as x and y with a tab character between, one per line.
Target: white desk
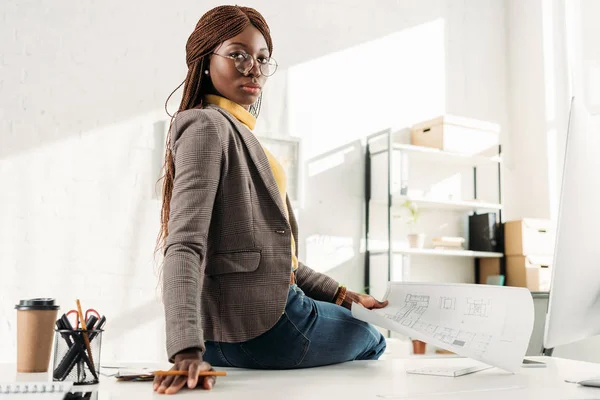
367	380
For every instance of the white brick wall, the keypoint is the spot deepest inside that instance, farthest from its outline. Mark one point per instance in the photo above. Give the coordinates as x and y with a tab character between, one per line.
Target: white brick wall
81	223
83	86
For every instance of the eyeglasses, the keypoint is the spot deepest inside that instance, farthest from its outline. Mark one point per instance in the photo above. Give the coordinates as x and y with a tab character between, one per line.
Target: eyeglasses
244	63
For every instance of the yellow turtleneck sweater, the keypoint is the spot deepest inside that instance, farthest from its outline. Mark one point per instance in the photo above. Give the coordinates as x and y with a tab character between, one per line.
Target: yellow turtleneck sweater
242	115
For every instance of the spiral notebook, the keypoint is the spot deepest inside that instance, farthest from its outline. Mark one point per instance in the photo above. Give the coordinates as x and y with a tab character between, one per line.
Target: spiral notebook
34	390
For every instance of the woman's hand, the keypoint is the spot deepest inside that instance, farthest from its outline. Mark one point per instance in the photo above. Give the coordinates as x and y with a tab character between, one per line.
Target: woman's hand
365	300
187	360
370	302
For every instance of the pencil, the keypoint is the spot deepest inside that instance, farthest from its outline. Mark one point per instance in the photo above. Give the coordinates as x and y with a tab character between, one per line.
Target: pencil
85	335
186	373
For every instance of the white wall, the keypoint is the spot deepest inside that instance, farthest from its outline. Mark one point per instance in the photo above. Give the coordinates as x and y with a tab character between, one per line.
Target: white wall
442	57
538	104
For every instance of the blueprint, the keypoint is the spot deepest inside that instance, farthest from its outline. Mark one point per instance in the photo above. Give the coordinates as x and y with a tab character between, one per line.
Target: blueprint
491	324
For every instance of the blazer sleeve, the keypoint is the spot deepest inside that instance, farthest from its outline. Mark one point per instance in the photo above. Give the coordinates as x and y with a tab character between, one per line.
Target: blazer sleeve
197	154
315	284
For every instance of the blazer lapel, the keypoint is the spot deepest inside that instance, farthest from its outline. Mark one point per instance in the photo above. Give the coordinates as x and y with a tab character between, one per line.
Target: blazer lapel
259	158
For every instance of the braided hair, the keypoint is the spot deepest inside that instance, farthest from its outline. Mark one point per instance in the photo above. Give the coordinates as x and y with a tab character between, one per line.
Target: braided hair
215	27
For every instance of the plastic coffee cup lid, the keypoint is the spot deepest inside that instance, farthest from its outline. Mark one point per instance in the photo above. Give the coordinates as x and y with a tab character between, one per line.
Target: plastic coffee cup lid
37	304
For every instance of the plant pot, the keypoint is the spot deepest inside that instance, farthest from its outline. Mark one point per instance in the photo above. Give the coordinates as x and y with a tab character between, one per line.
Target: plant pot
419	347
416	240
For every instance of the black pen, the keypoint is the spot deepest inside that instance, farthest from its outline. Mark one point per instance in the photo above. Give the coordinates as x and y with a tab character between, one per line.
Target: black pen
98	327
75	353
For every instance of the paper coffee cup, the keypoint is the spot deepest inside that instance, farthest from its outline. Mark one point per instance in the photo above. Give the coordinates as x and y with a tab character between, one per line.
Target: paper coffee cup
35	334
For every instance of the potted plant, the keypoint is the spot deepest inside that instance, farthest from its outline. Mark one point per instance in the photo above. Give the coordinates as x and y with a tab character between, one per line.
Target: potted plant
415	240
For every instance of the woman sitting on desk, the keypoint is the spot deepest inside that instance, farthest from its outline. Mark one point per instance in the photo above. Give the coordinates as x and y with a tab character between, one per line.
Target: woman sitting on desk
235	294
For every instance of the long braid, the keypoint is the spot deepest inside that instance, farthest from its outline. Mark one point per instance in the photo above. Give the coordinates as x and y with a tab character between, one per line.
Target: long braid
216	26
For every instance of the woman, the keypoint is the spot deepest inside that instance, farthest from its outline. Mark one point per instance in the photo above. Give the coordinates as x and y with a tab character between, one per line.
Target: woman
234	291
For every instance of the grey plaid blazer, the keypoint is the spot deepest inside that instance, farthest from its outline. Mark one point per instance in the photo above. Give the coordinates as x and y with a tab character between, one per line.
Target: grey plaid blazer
227	264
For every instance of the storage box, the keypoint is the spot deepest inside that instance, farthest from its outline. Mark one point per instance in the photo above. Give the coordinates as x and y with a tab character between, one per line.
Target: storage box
456	134
485	234
488	267
532	272
528	237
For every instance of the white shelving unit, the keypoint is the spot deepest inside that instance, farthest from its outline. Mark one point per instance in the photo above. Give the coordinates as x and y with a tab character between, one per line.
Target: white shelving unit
436	155
387	142
397	200
436	252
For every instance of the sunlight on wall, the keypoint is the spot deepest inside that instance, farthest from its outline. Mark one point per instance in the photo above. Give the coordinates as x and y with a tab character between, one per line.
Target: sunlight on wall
333	250
84	220
330	232
394	81
590	57
548	14
328	161
448	188
391	82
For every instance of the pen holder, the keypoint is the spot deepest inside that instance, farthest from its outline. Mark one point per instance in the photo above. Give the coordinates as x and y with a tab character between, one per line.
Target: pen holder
81	396
77	356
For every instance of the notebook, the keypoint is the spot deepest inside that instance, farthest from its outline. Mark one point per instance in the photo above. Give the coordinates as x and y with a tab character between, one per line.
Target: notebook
35	390
449	371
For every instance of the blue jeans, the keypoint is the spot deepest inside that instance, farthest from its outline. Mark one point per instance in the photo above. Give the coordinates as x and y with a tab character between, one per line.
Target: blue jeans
310	333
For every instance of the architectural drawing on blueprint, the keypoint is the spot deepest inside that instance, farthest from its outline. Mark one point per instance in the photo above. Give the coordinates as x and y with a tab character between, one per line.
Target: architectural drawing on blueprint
416	305
478	308
410	313
478	322
446	335
481	343
447	303
476	342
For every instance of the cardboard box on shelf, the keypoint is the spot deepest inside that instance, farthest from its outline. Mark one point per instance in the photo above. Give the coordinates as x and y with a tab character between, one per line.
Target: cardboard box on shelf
488	267
532	272
529	236
457	134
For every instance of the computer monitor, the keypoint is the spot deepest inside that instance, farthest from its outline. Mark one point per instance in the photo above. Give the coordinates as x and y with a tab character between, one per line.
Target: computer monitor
574	303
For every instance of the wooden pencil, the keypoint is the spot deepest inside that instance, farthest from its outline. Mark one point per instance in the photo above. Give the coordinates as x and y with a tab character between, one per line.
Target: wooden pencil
186	373
86	339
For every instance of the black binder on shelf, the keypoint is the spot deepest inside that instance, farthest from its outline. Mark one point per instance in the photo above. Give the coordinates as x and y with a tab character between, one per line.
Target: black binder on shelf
485	233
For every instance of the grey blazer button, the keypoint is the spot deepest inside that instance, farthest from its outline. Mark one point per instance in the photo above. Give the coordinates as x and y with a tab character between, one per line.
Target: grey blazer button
280	232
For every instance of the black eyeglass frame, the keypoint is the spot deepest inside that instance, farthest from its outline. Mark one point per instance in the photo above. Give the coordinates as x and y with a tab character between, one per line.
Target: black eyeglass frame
244	71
